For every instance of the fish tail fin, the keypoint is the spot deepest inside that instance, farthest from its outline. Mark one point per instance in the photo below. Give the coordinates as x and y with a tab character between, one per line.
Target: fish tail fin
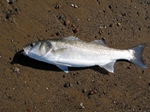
137	55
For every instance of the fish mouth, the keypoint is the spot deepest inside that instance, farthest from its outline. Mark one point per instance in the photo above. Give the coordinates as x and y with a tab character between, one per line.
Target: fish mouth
25	51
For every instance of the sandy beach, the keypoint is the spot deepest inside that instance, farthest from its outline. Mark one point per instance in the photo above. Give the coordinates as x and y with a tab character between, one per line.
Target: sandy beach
27	85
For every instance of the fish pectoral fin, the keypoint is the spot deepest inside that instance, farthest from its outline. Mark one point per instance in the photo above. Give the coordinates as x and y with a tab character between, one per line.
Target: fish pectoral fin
60	50
64	68
109	66
101	42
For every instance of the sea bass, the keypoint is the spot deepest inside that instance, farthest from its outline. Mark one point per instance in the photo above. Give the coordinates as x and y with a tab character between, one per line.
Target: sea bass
73	52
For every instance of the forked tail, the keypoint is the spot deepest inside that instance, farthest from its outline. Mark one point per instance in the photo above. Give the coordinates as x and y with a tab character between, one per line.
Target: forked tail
137	55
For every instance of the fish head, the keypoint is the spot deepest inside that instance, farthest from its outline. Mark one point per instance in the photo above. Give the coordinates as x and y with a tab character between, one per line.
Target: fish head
37	49
27	49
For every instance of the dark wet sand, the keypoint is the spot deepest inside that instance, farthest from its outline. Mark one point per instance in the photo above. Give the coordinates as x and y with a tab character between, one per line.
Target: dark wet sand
27	85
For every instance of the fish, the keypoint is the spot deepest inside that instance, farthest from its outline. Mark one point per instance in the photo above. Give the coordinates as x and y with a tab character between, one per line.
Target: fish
73	52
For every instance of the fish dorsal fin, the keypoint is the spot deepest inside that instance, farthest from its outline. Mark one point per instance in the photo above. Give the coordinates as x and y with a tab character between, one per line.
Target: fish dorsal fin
109	66
72	38
101	42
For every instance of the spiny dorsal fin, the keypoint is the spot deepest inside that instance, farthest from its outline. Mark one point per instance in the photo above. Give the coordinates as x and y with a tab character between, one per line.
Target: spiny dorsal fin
101	42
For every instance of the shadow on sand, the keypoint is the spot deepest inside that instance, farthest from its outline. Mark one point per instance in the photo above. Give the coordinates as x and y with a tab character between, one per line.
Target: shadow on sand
20	58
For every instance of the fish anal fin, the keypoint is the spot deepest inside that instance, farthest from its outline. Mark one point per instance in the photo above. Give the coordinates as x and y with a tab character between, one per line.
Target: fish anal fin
109	66
64	68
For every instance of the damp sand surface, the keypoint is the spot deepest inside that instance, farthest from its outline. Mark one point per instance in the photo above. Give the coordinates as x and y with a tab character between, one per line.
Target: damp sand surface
27	85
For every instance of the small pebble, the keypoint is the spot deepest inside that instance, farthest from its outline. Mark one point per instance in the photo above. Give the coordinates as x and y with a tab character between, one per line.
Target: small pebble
16	69
71	85
101	27
78	82
103	39
76	30
10	58
93	91
82	106
143	71
100	32
129	67
84	90
110	6
88	19
67	22
72	5
9	97
61	17
148	2
16	9
140	28
73	25
118	24
104	92
9	14
75	6
67	85
58	33
10	1
28	109
58	6
114	102
110	25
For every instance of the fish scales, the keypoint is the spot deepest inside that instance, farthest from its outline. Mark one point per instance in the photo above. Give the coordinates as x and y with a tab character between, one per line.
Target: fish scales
89	51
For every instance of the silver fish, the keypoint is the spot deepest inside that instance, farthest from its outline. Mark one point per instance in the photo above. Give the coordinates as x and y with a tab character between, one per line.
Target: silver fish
73	52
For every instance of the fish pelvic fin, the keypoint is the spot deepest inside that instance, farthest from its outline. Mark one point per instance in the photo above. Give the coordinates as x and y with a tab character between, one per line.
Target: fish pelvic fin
137	55
64	68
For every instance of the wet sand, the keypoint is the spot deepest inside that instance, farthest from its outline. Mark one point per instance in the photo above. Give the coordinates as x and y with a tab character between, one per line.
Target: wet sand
27	85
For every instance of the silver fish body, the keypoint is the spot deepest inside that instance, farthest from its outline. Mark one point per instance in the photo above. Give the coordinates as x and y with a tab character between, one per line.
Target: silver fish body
73	52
